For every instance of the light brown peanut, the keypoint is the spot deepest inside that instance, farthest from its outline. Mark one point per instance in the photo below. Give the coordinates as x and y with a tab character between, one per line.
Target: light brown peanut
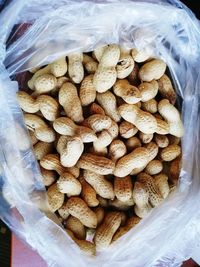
44	83
108	102
63	211
162	126
125	64
150	106
41	149
103	140
132	143
75	67
90	64
154	167
170	152
117	149
69	185
148	90
145	138
27	102
166	89
129	93
88	193
55	198
45	70
96	109
139	56
161	181
73	224
123	188
69	100
101	185
99	122
121	205
151	70
100	214
52	162
87	91
127	129
79	209
48	177
161	140
48	106
59	67
107	229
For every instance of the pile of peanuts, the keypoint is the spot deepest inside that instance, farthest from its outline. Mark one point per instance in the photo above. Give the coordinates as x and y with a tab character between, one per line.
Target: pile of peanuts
106	135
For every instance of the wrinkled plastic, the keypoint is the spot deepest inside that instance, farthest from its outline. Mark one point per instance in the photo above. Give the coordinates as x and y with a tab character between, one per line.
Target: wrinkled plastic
167	29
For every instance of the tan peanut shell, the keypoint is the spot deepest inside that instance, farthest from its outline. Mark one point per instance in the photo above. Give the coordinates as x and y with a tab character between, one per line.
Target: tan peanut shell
90	64
75	67
150	106
45	134
117	149
141	198
45	70
108	102
139	56
127	129
174	170
103	202
59	67
145	138
88	193
129	93
121	205
100	214
152	149
45	83
98	52
55	198
99	122
75	171
172	116
154	167
161	140
27	102
155	197
63	211
170	152
107	229
125	64
161	181
68	184
41	149
133	76
79	209
73	224
151	70
113	129
69	100
148	90
96	109
166	89
144	121
48	177
162	127
52	162
136	159
173	140
33	138
103	140
132	143
49	107
123	188
87	91
101	185
98	164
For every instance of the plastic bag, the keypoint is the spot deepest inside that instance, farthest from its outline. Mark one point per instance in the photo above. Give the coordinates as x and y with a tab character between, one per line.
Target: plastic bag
53	28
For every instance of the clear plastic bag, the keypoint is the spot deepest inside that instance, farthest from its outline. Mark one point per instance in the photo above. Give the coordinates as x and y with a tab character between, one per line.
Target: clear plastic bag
168	30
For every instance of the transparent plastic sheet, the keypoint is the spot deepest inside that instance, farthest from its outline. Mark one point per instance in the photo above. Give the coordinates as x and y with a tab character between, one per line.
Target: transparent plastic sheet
168	30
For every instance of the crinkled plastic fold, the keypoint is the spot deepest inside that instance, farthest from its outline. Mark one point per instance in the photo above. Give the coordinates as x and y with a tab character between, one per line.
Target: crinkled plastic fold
166	29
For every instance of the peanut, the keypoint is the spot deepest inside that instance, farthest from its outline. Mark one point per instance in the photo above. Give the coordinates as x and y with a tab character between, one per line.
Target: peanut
175	168
97	164
48	106
79	209
172	116
125	64
98	52
152	149
148	90
123	188
136	159
173	140
52	162
106	74
150	106
127	129
144	121
129	93
100	214
59	67
170	152
145	138
161	140
69	100
96	109
45	83
45	70
141	198
48	176
113	130
139	56
88	193
73	224
98	122
41	149
108	102
63	211
87	91
161	181
55	198
154	167
121	205
117	149
107	229
132	143
27	102
69	185
33	138
103	140
151	70
155	197
90	64
166	89
162	126
75	67
103	187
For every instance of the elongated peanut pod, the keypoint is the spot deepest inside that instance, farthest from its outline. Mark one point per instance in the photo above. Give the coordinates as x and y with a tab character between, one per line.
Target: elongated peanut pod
27	102
161	140
55	198
88	193
48	177
52	162
117	149
152	149
129	93
139	56
96	109
154	167
113	130
127	129
98	122
123	188
63	211
45	83
143	120
90	64
148	90
59	67
97	164
41	149
166	89
121	205
136	159
102	186
75	67
73	224
170	152
150	106
125	64
162	127
79	209
68	98
98	52
87	91
45	70
151	70
107	229
161	180
69	185
108	102
48	106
